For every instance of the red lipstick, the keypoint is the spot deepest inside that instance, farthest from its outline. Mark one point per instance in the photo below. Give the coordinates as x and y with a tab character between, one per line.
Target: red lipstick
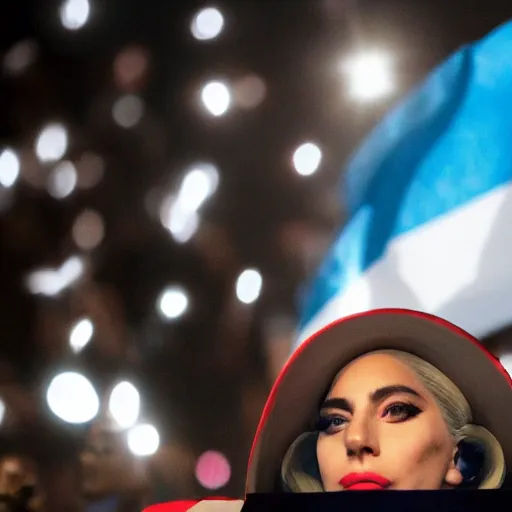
364	482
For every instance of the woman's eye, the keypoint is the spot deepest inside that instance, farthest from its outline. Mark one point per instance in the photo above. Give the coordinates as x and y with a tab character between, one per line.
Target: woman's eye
401	411
331	424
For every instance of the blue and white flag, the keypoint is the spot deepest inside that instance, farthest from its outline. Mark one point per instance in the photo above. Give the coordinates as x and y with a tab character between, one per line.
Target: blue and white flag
430	203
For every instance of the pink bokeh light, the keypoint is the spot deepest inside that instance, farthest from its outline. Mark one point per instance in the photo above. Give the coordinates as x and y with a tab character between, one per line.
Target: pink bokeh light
213	470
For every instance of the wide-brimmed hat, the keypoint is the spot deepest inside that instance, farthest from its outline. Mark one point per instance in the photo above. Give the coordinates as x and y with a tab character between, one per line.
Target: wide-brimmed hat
305	379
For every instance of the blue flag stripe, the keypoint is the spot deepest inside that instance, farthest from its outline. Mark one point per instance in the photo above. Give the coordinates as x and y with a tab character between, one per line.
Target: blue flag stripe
445	145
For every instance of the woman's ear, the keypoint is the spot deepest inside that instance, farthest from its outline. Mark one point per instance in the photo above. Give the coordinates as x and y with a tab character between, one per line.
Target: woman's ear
453	476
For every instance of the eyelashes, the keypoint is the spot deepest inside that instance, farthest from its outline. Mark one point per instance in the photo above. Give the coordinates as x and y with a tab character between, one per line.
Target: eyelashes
397	412
330	423
401	411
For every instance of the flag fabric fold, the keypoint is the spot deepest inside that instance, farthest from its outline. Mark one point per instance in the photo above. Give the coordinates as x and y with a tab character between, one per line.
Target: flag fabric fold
429	200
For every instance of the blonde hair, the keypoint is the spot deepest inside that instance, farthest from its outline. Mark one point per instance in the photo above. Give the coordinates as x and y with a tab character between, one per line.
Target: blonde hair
300	472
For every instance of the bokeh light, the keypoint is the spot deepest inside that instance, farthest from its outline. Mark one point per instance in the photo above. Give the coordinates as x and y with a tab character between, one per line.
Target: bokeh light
88	230
213	470
207	24
173	302
179	212
248	286
249	91
3	410
51	282
81	334
128	110
21	56
307	159
62	180
74	14
143	440
72	398
124	404
370	76
216	98
52	143
181	222
9	167
199	183
131	68
90	168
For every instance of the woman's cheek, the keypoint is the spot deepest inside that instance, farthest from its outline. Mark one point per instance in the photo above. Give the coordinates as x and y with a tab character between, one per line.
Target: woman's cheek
330	461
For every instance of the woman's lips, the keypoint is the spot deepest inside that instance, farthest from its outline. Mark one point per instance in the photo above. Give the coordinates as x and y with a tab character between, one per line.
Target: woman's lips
365	486
364	482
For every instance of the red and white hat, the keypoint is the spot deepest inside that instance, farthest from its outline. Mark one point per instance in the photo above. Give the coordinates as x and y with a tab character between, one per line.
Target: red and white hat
308	373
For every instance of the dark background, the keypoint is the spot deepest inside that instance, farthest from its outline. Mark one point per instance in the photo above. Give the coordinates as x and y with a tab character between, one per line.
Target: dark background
205	377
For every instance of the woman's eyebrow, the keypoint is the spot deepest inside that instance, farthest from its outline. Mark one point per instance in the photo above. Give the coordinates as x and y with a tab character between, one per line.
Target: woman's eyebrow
338	403
376	396
386	391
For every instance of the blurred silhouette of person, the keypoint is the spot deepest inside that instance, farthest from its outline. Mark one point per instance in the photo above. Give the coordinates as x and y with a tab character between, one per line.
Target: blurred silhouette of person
112	479
19	489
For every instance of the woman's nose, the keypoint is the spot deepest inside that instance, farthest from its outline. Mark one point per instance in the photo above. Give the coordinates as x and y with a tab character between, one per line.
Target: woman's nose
361	438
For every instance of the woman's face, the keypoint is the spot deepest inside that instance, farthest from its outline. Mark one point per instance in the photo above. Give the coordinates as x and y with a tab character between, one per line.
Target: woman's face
379	419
